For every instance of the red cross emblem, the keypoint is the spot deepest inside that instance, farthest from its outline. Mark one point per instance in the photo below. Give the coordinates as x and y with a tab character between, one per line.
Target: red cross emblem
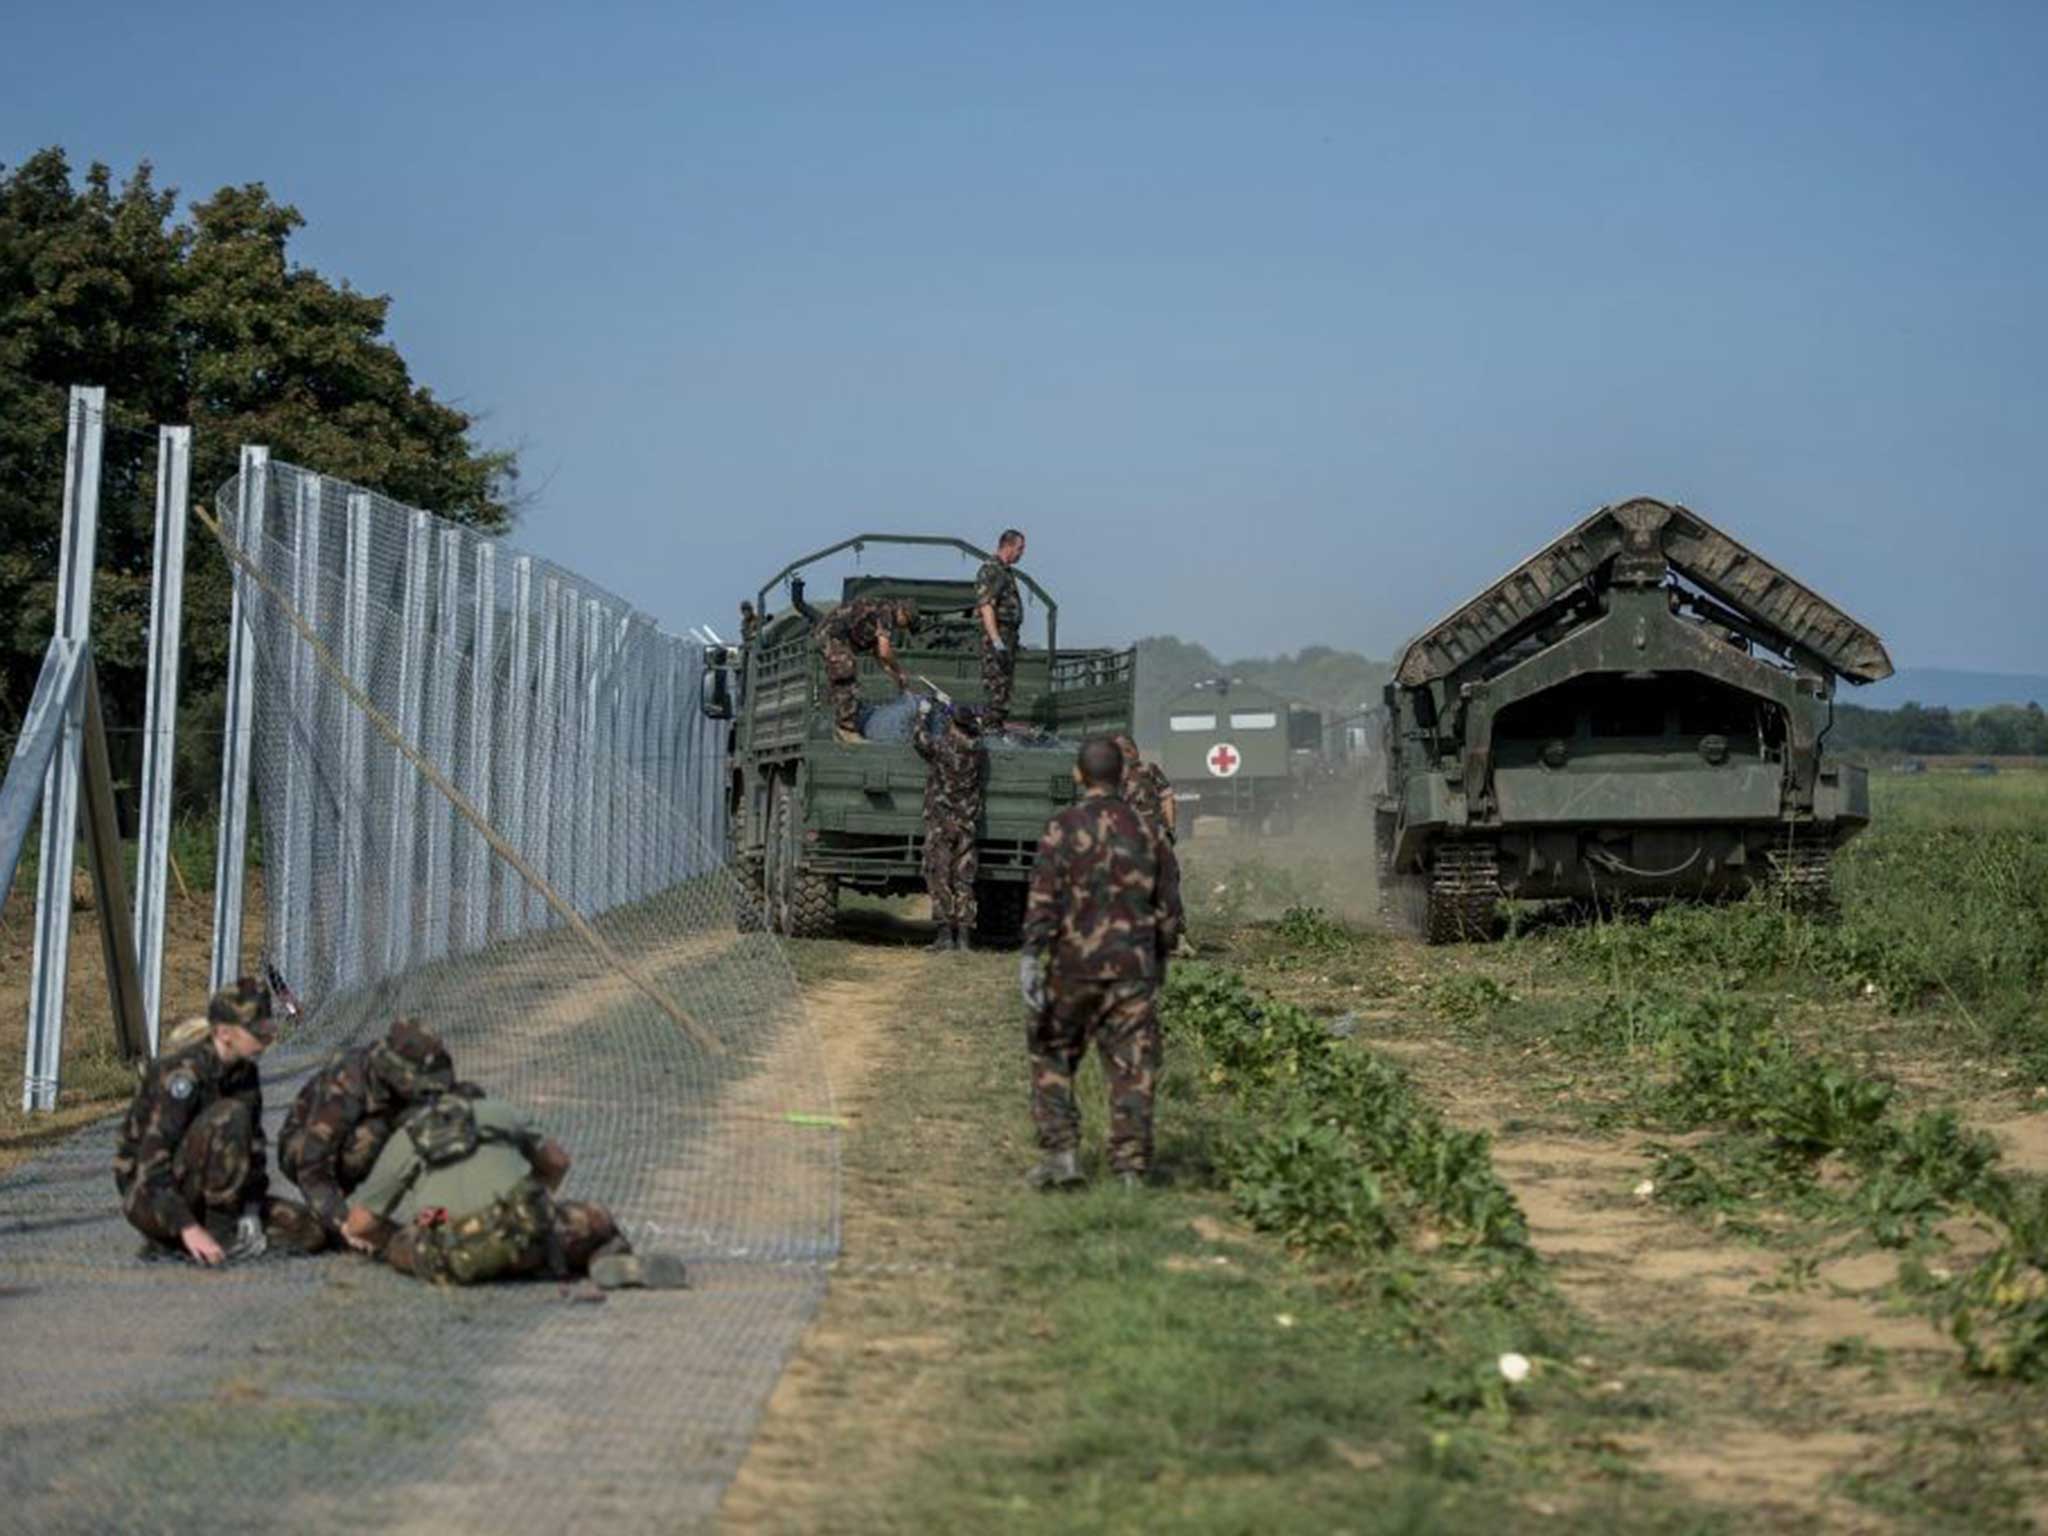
1223	760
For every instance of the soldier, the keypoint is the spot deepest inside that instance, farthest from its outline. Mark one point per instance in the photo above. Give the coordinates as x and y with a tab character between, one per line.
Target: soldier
190	1161
863	627
956	771
1001	611
348	1109
750	623
1148	791
1103	915
466	1193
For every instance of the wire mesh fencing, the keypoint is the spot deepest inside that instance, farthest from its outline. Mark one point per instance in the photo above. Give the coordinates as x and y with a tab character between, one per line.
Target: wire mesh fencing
485	797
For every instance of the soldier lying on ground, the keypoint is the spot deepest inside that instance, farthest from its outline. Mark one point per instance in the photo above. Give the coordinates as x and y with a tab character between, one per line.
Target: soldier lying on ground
190	1163
348	1109
465	1193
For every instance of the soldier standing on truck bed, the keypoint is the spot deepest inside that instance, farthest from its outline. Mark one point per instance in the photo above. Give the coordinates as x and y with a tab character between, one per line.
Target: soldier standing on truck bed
956	771
862	627
1000	609
1104	914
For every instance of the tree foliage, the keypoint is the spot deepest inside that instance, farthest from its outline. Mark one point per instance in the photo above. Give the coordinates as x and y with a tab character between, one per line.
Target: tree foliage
205	322
2004	730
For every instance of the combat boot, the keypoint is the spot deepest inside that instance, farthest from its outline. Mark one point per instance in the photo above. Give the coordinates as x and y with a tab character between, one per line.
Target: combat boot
651	1271
963	940
942	941
1057	1170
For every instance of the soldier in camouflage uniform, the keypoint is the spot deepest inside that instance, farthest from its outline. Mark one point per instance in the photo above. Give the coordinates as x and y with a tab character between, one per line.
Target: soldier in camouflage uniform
863	627
465	1193
190	1163
1000	610
1148	791
956	774
750	623
348	1109
1103	915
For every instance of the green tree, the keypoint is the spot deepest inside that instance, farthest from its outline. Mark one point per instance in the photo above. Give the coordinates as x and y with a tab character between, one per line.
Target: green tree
205	322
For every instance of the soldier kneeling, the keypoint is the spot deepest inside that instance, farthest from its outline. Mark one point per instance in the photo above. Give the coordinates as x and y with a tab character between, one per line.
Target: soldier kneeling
465	1193
190	1164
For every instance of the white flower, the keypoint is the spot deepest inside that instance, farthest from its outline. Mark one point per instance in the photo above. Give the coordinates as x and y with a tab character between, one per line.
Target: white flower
1515	1367
1284	1319
1646	1189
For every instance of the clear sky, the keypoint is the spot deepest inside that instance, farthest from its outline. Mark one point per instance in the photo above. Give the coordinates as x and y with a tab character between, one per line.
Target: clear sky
1273	324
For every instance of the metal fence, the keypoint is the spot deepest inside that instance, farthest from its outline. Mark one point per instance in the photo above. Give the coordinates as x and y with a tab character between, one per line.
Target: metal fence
482	794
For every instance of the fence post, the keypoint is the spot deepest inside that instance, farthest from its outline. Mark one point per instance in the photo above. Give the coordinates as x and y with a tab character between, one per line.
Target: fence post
406	786
550	825
444	656
590	871
478	780
352	964
48	969
292	890
160	722
252	496
516	745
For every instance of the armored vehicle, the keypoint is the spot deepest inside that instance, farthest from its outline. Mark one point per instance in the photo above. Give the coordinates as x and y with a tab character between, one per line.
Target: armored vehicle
1641	709
1236	750
810	816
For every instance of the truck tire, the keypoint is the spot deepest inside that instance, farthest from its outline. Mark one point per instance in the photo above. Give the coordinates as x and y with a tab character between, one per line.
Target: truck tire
999	911
1464	891
749	910
801	905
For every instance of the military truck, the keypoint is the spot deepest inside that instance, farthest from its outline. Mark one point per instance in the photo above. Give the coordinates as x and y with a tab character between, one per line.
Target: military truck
1234	749
1640	709
810	817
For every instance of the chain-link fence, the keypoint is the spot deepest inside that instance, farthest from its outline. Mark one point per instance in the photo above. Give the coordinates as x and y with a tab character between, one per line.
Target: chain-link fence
485	796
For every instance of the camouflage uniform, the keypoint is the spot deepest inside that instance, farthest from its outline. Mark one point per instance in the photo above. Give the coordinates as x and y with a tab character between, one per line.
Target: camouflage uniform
486	1216
1104	911
191	1149
1147	790
956	770
848	633
996	584
348	1109
750	623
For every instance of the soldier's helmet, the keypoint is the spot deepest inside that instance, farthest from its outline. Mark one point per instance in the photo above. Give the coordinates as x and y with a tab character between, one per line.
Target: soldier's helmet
246	1003
411	1061
968	718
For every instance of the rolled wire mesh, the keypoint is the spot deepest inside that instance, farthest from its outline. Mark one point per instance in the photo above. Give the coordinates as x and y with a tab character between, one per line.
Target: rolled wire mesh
663	1047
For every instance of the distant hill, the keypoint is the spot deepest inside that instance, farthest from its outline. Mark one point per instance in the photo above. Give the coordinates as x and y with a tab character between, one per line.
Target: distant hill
1336	682
1941	688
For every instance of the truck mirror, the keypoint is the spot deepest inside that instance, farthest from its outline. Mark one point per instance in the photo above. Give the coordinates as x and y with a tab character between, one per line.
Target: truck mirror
716	693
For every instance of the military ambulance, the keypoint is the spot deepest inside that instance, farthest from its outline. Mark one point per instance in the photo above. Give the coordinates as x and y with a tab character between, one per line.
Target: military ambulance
1241	752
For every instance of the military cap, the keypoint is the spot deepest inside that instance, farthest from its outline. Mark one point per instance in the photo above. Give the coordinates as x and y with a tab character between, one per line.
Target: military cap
968	718
246	1003
411	1060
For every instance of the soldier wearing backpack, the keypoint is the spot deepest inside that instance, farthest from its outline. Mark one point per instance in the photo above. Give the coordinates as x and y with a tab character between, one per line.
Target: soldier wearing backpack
465	1193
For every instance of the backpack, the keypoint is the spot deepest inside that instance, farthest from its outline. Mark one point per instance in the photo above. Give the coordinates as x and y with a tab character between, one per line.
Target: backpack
443	1132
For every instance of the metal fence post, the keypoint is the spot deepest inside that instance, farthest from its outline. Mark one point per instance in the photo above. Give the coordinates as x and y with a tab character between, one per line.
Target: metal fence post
160	721
352	961
292	890
551	725
84	442
444	653
589	859
477	765
252	494
516	745
406	785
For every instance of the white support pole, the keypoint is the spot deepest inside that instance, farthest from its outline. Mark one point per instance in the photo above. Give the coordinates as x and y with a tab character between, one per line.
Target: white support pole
477	778
253	491
516	747
589	858
406	785
547	816
352	964
438	816
83	445
160	722
292	890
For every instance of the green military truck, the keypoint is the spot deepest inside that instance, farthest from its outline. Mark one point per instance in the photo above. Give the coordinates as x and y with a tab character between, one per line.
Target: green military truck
1238	751
809	816
1640	709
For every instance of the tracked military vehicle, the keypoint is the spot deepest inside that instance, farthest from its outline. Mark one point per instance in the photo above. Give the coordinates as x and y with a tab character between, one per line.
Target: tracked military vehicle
1641	709
810	816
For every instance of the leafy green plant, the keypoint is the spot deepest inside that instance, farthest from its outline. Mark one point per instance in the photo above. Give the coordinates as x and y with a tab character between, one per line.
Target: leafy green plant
1464	997
1313	929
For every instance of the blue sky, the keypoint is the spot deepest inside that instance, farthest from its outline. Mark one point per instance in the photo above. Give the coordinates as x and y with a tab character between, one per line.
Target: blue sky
1274	325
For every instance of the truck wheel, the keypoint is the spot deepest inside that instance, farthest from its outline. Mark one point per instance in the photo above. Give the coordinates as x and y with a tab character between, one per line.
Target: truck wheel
1464	891
999	911
749	909
801	905
814	906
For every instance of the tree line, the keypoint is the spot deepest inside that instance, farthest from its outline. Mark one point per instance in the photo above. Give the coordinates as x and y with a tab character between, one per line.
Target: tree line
2004	730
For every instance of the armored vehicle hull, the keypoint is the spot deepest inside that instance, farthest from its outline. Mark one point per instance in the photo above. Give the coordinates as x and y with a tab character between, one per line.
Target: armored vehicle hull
1639	710
811	817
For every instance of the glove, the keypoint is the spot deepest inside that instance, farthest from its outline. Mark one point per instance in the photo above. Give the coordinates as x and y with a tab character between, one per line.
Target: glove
924	706
1031	980
249	1242
1002	646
